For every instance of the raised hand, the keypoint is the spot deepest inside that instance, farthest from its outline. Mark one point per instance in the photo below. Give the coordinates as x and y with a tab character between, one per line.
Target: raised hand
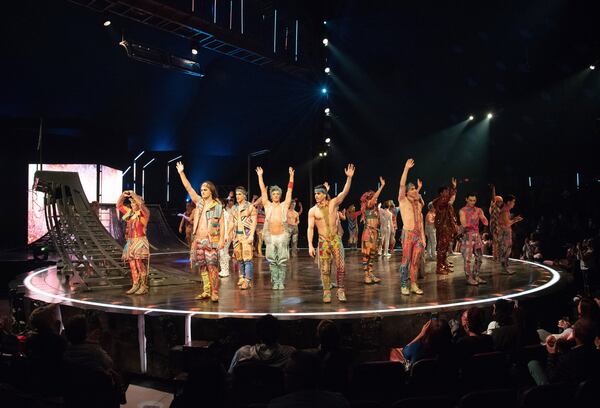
454	182
382	181
410	163
259	171
291	171
179	166
326	184
350	170
419	184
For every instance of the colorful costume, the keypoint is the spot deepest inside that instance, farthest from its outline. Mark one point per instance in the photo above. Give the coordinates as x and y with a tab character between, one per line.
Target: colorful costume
260	223
412	252
330	247
430	235
370	237
277	246
293	232
445	228
495	230
244	222
204	254
504	241
224	256
351	218
471	244
137	248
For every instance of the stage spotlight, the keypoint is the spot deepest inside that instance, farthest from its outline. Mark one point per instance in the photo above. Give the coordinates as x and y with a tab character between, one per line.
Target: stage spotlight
324	153
327	111
592	67
325	42
471	117
321	154
327	70
490	115
328	140
194	51
324	22
323	90
106	23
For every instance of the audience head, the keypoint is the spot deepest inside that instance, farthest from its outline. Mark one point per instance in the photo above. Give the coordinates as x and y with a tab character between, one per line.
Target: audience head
45	319
76	329
588	308
267	329
502	312
328	335
438	337
584	331
473	320
302	371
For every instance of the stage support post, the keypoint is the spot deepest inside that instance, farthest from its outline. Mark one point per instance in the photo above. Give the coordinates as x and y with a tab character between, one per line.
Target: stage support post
142	343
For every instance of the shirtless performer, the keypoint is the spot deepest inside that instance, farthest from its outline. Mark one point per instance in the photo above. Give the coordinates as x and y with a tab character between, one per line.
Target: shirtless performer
208	235
505	223
243	225
324	215
293	219
472	245
413	235
370	235
275	231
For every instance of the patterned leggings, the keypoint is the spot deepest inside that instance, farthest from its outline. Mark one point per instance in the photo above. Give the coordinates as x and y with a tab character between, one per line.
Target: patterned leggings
205	260
472	245
369	248
328	249
277	253
505	246
412	253
443	245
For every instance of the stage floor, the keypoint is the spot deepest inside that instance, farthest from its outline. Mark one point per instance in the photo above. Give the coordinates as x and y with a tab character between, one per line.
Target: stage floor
302	296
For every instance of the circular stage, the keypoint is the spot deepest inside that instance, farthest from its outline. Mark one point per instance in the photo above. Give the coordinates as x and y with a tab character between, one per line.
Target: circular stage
302	295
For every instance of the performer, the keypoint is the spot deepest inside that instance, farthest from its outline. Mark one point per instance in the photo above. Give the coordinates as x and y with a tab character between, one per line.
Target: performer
324	215
260	223
471	244
394	210
445	225
224	256
385	221
275	231
243	226
505	223
413	236
370	235
293	220
430	231
208	235
137	249
495	208
352	220
187	222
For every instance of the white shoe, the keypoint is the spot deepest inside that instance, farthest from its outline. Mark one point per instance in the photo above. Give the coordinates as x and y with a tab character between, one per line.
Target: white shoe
388	255
223	274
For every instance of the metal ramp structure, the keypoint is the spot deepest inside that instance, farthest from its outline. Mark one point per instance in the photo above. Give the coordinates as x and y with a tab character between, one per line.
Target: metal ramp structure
160	235
90	255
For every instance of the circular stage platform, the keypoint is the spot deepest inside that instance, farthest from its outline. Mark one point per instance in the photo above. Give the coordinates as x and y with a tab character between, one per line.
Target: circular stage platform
302	295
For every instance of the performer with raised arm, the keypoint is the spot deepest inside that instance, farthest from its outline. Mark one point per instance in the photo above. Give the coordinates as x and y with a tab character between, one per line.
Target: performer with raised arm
413	235
243	225
495	208
505	223
324	215
370	235
445	225
137	249
471	244
208	235
275	231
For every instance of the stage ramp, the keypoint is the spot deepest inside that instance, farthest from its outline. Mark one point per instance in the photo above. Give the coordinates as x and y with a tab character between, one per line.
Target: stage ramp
90	256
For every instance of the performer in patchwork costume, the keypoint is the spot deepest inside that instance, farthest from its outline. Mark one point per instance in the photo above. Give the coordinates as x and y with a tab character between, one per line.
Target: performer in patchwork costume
413	235
370	235
495	230
137	249
325	216
445	226
275	231
505	223
472	245
208	235
243	226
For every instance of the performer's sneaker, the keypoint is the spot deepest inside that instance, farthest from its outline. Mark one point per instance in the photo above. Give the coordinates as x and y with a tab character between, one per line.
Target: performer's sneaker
223	274
241	280
374	278
142	290
203	296
133	289
326	296
214	297
481	280
414	288
246	284
405	291
472	282
341	294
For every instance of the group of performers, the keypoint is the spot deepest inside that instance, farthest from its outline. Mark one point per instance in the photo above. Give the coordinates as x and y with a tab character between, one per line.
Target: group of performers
211	228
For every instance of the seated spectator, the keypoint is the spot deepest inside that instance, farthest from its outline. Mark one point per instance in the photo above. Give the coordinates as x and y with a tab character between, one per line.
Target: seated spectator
267	350
510	329
9	343
474	341
573	365
205	386
565	331
82	351
301	383
502	315
434	340
335	363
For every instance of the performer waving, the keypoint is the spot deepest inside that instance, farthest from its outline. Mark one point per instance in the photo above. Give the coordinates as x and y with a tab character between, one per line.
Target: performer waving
370	235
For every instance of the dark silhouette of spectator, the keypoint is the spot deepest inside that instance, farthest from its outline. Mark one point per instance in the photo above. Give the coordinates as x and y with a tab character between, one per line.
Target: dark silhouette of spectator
81	351
205	386
301	382
335	363
267	350
474	341
434	340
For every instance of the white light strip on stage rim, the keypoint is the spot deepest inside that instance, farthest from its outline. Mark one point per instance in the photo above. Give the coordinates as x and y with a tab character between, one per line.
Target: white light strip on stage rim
33	288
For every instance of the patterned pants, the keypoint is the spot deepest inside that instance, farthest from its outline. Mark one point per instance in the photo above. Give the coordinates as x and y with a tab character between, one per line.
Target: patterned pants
224	258
328	249
205	260
431	242
369	243
137	253
294	239
505	246
496	232
412	253
242	252
277	253
471	245
444	240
